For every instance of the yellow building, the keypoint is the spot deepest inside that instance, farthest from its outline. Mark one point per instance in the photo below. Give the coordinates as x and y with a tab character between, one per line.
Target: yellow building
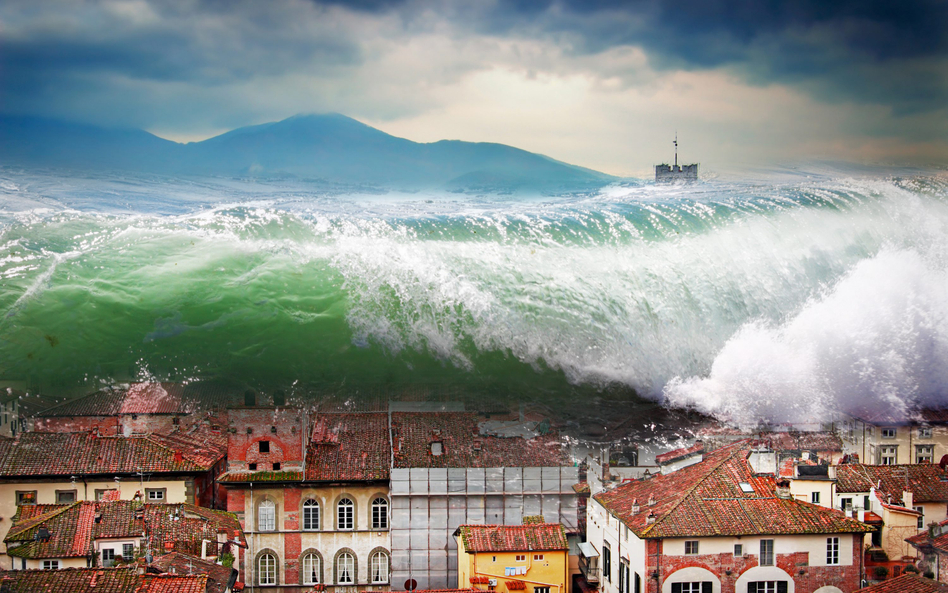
533	558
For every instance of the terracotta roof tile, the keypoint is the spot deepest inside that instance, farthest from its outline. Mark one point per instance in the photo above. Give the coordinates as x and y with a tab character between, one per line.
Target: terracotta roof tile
349	447
513	538
170	583
218	577
679	453
907	583
72	580
68	454
707	499
462	445
926	482
73	528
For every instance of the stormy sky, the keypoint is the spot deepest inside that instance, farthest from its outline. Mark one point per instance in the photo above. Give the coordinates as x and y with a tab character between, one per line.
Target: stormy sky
597	83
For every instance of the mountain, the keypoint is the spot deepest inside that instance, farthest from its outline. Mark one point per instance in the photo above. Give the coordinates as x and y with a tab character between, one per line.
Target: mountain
331	148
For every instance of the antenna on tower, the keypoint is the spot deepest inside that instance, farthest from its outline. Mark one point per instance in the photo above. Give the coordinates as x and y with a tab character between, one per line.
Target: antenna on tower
676	148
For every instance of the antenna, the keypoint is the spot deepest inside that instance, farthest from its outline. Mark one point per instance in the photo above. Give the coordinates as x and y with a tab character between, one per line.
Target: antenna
676	148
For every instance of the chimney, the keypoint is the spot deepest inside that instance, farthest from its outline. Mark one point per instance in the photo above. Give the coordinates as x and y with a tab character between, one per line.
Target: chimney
651	500
635	506
650	518
861	515
783	489
908	500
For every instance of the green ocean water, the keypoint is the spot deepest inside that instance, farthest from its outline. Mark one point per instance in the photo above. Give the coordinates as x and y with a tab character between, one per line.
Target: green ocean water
681	294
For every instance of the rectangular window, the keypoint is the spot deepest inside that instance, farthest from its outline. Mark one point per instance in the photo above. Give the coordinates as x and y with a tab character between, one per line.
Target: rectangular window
638	584
156	494
623	576
924	432
695	587
264	446
541	590
108	557
832	551
846	504
50	564
766	552
277	466
537	557
521	557
920	524
128	551
924	453
888	455
65	496
607	562
767	587
815	497
691	547
865	503
252	467
25	497
738	549
888	433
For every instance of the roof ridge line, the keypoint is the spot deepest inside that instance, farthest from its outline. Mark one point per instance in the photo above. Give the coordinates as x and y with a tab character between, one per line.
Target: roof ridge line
690	490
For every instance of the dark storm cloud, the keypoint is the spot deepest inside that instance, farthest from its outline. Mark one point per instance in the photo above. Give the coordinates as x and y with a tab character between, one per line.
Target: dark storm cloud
72	58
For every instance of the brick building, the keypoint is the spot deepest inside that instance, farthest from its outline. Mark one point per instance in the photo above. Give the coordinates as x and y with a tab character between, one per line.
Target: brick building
719	527
314	502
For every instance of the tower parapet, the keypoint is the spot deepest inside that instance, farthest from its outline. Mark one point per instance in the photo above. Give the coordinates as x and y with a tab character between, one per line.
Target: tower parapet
676	172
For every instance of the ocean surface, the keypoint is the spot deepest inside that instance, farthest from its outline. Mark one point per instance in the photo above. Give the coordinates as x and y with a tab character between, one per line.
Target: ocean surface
780	295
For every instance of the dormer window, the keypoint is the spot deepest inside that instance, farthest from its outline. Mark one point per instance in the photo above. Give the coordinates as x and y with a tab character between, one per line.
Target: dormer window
437	448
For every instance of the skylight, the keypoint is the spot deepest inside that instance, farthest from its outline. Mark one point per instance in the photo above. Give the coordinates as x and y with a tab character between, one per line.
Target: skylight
746	488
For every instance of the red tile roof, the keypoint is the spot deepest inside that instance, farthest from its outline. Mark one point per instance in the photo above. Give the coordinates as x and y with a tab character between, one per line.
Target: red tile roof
72	580
681	453
513	538
170	583
73	528
349	447
926	482
907	583
218	577
706	499
462	444
243	477
80	453
804	441
925	540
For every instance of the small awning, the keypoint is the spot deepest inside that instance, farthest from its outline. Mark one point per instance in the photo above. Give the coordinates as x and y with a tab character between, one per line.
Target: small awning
588	550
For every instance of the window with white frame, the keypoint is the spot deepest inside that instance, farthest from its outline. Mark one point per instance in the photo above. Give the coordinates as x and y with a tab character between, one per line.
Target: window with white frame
345	569
766	552
767	587
345	514
128	551
50	564
920	523
379	513
924	453
311	569
267	569
832	551
924	432
738	549
815	497
541	590
266	516
691	547
607	562
310	515
693	587
537	557
623	577
888	455
156	494
521	558
846	504
379	566
888	433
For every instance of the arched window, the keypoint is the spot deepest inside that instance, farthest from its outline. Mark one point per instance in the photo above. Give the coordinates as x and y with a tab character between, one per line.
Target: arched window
345	517
379	513
266	516
379	567
345	569
311	569
267	569
310	515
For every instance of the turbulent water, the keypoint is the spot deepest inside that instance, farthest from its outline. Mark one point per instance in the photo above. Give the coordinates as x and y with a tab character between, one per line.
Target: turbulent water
781	296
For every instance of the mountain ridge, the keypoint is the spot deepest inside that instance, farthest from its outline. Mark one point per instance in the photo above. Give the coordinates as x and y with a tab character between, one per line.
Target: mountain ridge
330	147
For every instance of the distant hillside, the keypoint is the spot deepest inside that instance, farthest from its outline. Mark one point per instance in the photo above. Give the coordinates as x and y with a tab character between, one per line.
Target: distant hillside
331	148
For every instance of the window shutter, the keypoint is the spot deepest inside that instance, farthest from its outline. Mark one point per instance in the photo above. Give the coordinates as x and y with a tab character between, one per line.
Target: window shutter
638	583
782	587
706	587
676	587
